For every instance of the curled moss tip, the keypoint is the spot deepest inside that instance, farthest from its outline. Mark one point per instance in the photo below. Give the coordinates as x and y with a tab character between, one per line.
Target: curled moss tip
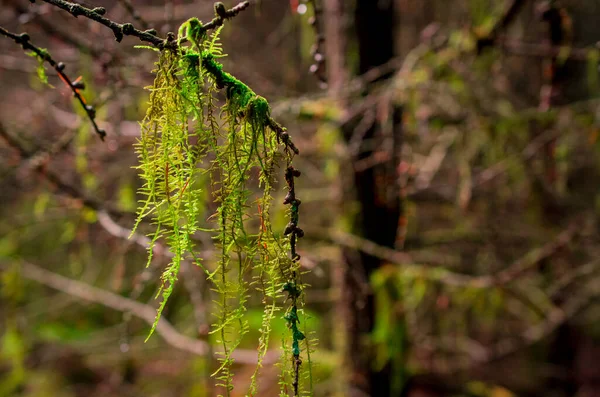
258	110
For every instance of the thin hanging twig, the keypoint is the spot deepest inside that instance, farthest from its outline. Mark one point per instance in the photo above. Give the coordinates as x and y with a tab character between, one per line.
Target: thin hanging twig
24	40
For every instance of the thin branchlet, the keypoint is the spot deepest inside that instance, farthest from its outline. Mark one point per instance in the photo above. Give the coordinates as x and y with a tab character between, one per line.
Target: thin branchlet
24	40
127	29
134	13
292	287
317	50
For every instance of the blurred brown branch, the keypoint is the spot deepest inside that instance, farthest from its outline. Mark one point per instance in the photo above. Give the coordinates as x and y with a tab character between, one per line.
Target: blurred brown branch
131	10
408	267
54	178
147	313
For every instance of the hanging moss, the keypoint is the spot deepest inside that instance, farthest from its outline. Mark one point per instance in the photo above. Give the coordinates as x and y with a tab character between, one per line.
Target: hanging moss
179	131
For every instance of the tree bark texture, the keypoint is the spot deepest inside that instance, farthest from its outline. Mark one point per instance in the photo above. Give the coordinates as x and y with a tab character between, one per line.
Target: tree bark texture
377	192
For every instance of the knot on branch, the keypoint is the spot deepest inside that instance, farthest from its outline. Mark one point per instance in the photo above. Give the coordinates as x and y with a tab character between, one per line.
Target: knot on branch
118	32
292	228
75	10
127	28
23	38
223	13
220	10
99	10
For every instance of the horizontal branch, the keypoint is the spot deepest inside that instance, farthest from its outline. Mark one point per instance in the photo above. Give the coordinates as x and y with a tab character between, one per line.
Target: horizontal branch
149	36
447	277
517	47
116	302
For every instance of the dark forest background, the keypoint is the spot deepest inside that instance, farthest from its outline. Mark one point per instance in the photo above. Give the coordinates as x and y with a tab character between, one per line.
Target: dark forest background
450	199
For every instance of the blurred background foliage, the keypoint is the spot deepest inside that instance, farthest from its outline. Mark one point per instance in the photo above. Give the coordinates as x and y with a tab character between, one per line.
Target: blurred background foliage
450	201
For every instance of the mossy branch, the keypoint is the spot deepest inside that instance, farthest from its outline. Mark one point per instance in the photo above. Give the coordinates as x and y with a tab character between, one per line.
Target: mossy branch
242	94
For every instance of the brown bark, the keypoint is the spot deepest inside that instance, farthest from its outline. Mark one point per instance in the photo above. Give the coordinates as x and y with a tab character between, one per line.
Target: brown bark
377	192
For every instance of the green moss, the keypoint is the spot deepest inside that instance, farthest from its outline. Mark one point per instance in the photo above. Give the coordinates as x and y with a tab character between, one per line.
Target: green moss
238	93
297	335
179	131
258	111
194	31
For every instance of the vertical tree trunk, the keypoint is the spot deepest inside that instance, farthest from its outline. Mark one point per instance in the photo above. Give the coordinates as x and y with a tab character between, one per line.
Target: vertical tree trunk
377	192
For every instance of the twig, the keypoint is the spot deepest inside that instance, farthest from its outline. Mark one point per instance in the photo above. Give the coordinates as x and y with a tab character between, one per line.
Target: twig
150	35
586	270
518	47
134	13
530	150
282	135
75	86
55	179
317	51
292	287
509	15
60	32
447	277
556	317
147	313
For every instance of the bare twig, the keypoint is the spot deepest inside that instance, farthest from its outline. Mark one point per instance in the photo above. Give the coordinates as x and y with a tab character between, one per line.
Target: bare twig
24	40
150	36
530	150
556	317
55	179
134	13
317	50
61	32
447	277
586	270
518	47
509	15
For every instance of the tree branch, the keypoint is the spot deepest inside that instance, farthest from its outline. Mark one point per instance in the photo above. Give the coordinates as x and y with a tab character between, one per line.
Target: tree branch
509	15
150	35
134	13
75	86
55	179
447	277
116	302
